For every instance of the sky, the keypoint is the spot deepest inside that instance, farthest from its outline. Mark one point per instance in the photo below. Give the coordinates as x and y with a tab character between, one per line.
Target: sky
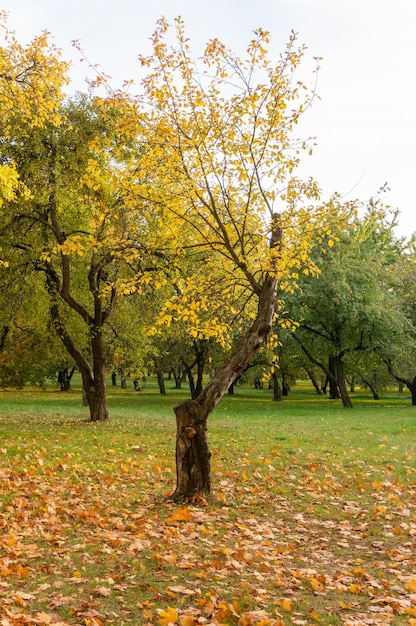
364	122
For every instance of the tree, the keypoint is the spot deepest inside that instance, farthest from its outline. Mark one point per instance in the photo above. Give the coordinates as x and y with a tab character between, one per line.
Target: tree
31	81
74	227
220	148
398	355
349	308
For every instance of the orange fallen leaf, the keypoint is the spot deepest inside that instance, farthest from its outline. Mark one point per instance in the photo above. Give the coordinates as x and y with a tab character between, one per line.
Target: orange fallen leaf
287	605
181	515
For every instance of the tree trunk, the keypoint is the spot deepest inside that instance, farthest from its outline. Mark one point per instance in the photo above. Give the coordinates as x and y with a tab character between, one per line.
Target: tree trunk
64	378
191	381
412	389
372	388
84	396
94	381
410	384
201	348
277	388
314	382
341	381
285	386
161	383
4	333
123	378
333	386
178	376
192	453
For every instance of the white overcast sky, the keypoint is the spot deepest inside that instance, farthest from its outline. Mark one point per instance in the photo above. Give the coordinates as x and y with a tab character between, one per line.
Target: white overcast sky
365	122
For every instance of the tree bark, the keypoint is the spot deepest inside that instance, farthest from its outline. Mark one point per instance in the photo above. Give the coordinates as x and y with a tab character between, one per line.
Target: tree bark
64	378
4	333
334	373
191	381
372	387
161	383
412	390
409	382
94	381
123	378
314	382
200	348
277	388
334	393
342	383
192	453
285	386
193	467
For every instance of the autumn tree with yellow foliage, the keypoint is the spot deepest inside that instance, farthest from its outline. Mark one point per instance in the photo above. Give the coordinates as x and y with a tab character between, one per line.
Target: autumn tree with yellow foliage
62	214
31	82
188	190
222	155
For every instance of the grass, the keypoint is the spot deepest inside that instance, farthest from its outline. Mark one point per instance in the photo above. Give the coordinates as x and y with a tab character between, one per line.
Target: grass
313	519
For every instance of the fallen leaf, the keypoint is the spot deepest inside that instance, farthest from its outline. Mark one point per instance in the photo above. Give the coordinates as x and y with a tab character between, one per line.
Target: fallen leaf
170	616
181	515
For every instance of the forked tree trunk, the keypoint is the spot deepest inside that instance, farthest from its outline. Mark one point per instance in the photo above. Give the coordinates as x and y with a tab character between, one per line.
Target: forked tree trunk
193	474
64	378
93	379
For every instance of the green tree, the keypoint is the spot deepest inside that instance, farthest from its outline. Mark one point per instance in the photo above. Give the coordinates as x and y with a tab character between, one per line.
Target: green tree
399	354
349	308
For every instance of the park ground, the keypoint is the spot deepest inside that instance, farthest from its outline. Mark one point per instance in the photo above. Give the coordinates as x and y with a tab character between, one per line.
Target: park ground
312	519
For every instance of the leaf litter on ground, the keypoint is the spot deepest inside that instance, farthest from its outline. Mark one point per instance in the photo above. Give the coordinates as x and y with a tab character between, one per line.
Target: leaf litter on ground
290	537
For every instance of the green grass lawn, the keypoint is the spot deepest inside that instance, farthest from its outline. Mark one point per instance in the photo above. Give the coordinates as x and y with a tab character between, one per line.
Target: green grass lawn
312	521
